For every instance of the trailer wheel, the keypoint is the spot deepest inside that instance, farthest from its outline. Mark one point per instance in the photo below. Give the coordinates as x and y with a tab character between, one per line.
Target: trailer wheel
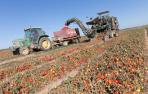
77	40
24	51
65	43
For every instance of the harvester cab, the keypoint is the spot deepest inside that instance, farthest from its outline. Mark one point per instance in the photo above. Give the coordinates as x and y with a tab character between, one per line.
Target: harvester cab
106	24
35	38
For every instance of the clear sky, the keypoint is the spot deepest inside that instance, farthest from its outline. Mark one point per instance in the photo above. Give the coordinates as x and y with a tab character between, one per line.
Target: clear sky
15	15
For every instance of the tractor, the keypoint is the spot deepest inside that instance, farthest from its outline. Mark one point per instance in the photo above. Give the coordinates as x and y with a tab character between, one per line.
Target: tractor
35	39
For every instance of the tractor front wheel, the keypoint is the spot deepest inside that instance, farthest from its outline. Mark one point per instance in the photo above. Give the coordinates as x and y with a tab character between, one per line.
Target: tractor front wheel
24	51
45	43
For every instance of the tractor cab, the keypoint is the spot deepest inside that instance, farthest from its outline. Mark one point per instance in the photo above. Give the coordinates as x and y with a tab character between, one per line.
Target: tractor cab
33	34
35	38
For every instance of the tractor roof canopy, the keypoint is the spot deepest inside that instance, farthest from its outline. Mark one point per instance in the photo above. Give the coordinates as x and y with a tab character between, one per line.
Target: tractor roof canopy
103	13
33	29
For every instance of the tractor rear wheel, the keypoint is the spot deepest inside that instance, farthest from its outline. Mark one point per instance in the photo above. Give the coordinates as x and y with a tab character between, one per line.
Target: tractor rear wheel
24	51
45	43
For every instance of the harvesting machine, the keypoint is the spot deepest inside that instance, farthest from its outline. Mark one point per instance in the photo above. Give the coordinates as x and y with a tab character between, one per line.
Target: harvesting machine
102	23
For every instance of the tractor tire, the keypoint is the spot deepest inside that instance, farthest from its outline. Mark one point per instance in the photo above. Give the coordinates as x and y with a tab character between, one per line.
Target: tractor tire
24	51
65	43
45	44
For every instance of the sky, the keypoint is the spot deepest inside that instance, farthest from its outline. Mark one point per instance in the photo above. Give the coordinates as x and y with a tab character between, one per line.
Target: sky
16	15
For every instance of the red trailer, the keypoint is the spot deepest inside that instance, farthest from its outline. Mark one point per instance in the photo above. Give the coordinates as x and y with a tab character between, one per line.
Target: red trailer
65	36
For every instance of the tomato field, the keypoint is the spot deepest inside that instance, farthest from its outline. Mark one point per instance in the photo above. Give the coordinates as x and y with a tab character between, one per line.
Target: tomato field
112	67
118	71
